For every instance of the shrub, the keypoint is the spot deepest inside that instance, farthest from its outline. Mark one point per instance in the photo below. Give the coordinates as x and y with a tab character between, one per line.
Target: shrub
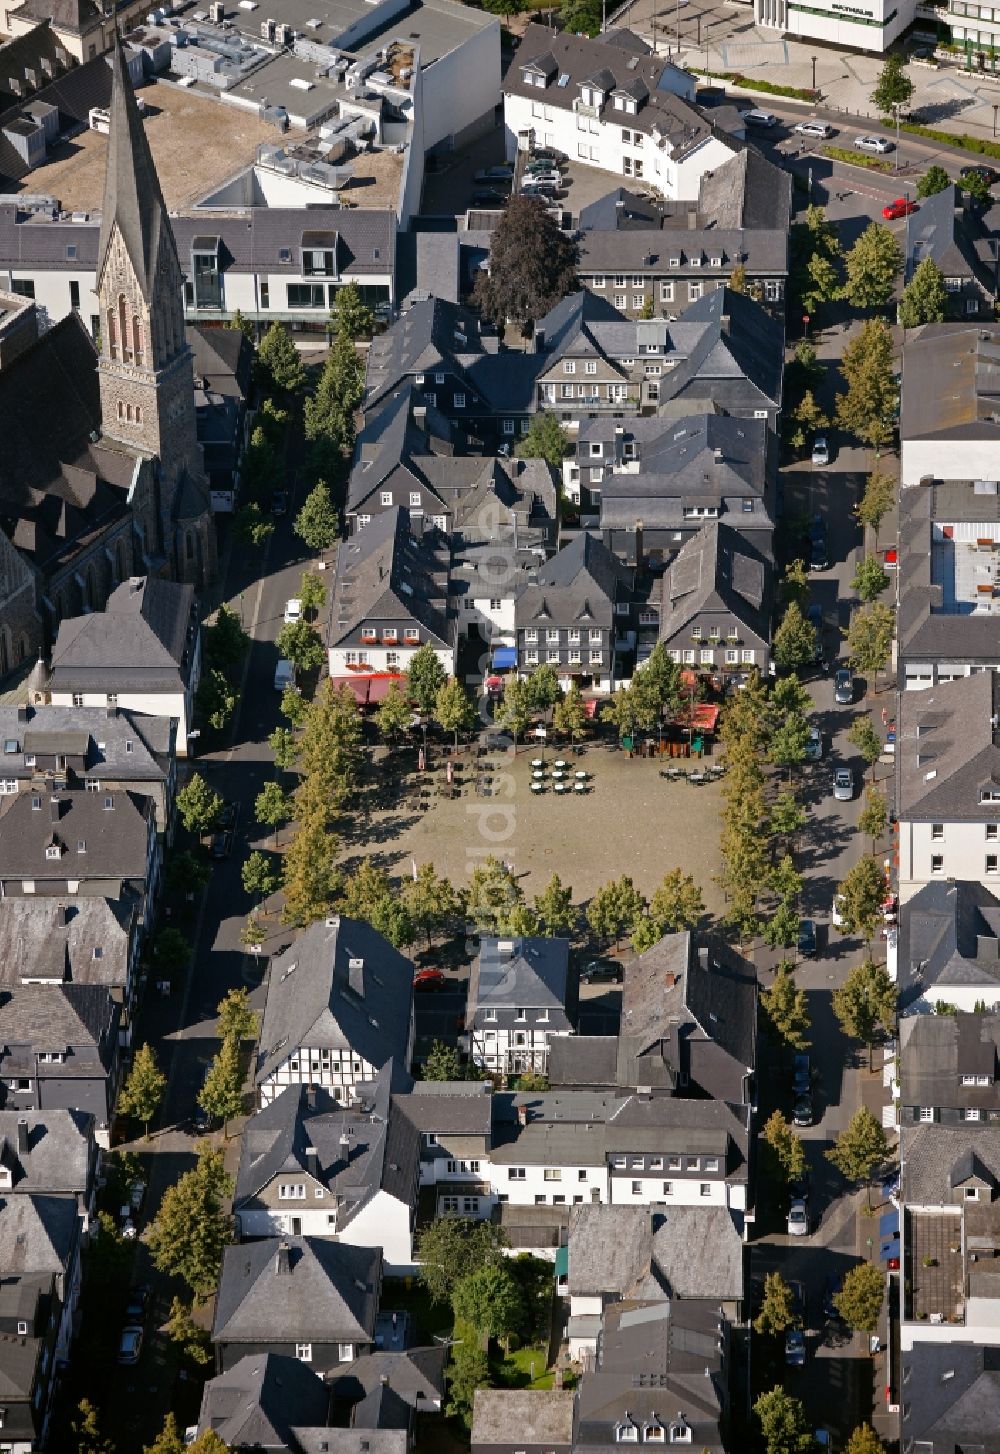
849	157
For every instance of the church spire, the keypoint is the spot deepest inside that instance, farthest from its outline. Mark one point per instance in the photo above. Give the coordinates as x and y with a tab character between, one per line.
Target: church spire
132	196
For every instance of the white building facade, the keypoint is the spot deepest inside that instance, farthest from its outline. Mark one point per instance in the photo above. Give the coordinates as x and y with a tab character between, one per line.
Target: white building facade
867	25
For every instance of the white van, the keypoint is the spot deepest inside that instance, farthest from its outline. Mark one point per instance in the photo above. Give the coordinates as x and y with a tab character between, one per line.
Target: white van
284	675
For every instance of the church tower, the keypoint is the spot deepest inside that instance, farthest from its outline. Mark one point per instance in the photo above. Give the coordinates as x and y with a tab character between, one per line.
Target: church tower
145	370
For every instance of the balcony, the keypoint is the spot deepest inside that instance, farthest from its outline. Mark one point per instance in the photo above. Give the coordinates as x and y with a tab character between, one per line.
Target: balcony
582	109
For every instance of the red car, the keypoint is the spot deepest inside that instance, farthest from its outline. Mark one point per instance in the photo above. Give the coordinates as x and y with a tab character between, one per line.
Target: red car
428	979
902	207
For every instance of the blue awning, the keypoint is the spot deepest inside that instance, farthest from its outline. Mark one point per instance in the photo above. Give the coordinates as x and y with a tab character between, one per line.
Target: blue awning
888	1225
504	656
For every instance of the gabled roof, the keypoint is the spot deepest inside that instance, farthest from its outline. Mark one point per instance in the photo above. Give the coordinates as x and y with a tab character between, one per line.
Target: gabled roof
719	570
144	633
946	231
341	984
948	935
938	1051
387	574
115	839
740	341
691	983
747	191
433	334
952	1398
969	358
636	1254
58	1018
116	743
530	972
78	941
416	1375
581	583
947	752
59	1157
297	1290
37	1233
257	1402
930	1152
133	202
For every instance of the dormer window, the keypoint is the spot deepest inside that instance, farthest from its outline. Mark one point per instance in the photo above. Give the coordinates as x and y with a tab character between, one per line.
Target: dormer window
627	1432
53	851
654	1434
680	1431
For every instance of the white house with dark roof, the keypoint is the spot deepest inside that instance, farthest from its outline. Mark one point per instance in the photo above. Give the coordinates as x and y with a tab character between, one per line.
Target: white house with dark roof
627	113
715	602
142	652
339	1006
518	991
575	613
948	947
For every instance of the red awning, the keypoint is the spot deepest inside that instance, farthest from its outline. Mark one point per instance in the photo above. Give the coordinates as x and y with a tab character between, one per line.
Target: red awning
590	706
705	716
368	690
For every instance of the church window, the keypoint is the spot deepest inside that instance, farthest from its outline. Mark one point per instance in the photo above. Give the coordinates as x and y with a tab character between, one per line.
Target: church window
123	328
138	414
121	407
137	340
113	340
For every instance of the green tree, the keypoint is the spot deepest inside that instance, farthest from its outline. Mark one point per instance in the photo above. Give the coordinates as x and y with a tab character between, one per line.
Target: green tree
468	1370
316	523
309	878
777	1309
252	526
789	741
795	640
273	421
781	928
546	439
199	805
874	816
866	1003
492	896
272	807
443	1062
312	594
569	716
221	1095
253	932
86	1428
110	1255
581	17
893	87
925	297
193	1342
279	362
350	317
614	908
186	873
489	1299
236	1019
295	707
451	1248
261	470
244	326
877	500
143	1091
821	283
171	951
369	895
330	749
738	279
867	408
169	1440
676	903
431	901
786	817
784	1009
300	643
394	713
862	893
260	876
532	265
869	638
555	911
226	643
864	1440
806	419
454	711
783	1148
193	1226
515	711
622	709
859	1301
870	579
215	699
543	687
425	678
284	746
860	1149
872	264
329	412
862	736
934	180
783	1423
977	188
795	584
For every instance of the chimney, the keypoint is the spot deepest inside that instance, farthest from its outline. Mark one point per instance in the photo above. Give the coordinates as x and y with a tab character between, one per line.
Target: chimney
724	323
312	1162
718	454
54	809
356	976
22	714
638	545
987	947
283	1260
692	220
22	1136
703	956
383	1379
112	713
344	1145
311	1096
522	1115
420	415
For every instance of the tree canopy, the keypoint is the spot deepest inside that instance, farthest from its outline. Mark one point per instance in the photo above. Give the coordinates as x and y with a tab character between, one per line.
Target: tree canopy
546	439
925	297
192	1226
532	265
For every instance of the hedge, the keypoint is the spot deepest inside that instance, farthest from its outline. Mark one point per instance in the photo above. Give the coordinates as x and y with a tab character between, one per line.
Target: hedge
854	158
948	138
769	88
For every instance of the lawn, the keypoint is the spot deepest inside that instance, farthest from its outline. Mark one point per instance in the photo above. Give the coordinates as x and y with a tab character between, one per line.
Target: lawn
524	1368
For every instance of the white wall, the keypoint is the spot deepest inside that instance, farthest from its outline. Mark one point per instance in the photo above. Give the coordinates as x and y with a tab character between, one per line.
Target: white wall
339	1075
571	1184
377	657
831	21
496	625
462	86
384	1222
52	291
685	1193
155	704
493	1048
947	459
963	849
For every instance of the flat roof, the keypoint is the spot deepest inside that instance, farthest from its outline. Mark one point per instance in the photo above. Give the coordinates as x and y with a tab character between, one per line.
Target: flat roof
197	144
436	26
273	84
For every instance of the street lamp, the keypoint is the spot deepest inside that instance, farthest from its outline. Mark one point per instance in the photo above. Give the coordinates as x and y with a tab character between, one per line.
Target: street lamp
814	74
996	108
896	110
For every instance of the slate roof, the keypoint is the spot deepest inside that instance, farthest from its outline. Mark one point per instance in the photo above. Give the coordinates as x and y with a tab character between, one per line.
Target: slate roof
325	1292
56	939
387	574
637	1254
642	252
533	1416
116	742
509	973
223	357
415	1375
315	998
463	1108
384	1147
269	239
936	1051
115	839
143	638
952	1398
29	51
930	1152
948	935
133	202
73	94
37	1233
969	358
581	583
948	232
739	341
257	1402
62	1018
433	334
21	1355
77	16
946	751
583	1061
747	191
59	1160
717	571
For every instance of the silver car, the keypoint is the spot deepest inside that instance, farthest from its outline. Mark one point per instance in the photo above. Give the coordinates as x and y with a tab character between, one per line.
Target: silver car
813	128
798	1218
877	144
843	784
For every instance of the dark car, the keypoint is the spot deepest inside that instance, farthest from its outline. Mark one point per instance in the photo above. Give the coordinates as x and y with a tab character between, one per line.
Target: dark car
798	1190
138	1302
831	1287
227	817
201	1121
488	197
801	1073
802	1111
798	1292
548	154
221	844
819	554
279	502
807	938
843	687
990	175
597	972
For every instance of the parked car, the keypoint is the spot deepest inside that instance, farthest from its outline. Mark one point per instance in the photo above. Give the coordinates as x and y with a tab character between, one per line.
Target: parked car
843	687
130	1344
293	610
544	190
877	144
549	154
901	207
494	174
429	979
807	938
488	197
802	1111
138	1302
548	177
279	502
837	911
228	814
798	1289
798	1189
599	971
801	1073
795	1347
818	129
759	118
990	175
822	1438
814	747
843	784
821	450
819	555
831	1287
284	675
890	558
222	844
798	1218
